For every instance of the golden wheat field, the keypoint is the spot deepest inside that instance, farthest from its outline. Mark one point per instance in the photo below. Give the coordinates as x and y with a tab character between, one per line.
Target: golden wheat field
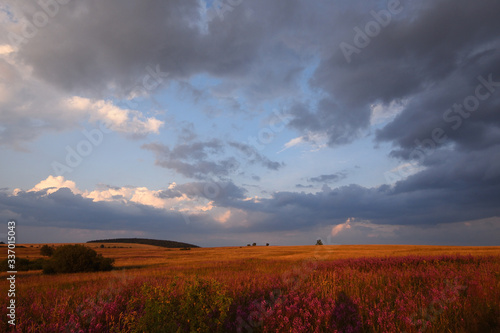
127	255
328	288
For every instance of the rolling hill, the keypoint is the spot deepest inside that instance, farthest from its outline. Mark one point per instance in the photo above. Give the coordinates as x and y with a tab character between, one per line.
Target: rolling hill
155	242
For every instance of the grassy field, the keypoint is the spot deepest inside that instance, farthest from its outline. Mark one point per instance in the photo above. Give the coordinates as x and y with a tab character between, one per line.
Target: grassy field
266	289
132	255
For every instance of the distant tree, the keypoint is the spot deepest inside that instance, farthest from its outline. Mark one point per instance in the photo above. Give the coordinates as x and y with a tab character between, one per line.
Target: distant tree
267	244
254	244
248	244
319	242
102	246
23	264
76	258
47	250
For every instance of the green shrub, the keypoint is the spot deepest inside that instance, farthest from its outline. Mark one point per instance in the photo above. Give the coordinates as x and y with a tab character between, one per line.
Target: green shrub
47	250
36	264
23	264
76	258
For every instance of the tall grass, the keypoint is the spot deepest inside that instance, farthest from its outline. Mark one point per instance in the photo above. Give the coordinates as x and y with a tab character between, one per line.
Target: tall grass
392	294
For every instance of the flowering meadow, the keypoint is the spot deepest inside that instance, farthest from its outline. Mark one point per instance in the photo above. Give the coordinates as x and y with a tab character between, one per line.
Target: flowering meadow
412	293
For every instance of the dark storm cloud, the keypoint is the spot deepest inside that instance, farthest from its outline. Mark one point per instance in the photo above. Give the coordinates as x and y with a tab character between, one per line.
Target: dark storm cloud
474	173
442	58
214	191
454	111
404	204
254	157
262	47
333	178
169	193
383	205
64	209
341	125
432	56
303	186
89	45
96	47
218	192
429	53
451	124
196	159
19	120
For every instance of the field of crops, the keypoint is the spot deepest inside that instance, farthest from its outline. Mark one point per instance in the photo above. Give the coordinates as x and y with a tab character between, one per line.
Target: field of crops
268	289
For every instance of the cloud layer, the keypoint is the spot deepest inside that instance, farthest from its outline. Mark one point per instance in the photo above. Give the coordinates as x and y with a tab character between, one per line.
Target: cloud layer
214	208
420	77
209	159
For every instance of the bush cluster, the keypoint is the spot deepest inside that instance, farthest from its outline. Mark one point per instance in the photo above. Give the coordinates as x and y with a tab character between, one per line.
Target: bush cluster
47	250
23	264
76	258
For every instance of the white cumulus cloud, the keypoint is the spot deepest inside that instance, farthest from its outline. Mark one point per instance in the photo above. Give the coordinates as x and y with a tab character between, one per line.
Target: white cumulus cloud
115	118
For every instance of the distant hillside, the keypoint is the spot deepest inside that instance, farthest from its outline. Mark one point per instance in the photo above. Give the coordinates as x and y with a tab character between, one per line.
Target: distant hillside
155	242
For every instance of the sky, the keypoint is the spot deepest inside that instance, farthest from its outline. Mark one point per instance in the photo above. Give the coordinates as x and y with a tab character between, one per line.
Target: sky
227	122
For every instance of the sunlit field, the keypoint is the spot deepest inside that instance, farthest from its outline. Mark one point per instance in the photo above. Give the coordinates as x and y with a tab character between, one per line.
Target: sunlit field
266	289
